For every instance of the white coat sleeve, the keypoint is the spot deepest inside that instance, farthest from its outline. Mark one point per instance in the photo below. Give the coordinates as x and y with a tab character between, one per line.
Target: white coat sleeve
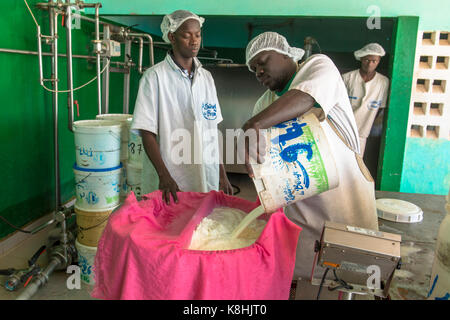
145	116
385	93
323	82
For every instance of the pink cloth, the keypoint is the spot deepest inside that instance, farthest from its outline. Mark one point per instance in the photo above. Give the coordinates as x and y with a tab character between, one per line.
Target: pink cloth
142	253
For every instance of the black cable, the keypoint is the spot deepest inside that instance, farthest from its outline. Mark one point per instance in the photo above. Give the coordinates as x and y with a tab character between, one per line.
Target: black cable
238	189
13	226
321	283
343	285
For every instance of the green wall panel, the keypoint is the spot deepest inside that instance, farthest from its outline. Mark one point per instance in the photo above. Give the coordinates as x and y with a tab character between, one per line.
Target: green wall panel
396	119
426	167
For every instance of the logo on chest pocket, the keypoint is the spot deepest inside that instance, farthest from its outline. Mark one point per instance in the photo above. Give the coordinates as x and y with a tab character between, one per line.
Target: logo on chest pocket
209	111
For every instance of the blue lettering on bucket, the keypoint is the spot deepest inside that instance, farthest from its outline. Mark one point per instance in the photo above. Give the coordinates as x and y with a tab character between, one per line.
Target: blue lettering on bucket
99	157
86	152
92	198
292	132
115	186
290	154
84	265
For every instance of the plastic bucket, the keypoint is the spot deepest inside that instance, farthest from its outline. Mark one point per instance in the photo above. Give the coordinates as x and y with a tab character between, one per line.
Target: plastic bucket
97	143
97	189
298	164
125	121
122	118
136	150
90	225
134	178
86	258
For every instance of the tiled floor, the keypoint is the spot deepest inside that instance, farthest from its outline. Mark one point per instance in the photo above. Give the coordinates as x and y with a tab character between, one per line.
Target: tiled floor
411	282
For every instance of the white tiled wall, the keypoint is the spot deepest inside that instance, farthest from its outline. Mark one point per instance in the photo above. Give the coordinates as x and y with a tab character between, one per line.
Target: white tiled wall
429	115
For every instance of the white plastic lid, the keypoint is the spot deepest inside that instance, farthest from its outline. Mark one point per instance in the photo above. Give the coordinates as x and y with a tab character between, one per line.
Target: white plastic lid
399	211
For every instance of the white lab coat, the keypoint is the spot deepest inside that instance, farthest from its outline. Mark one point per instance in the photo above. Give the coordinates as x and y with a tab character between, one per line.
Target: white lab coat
353	201
184	115
366	99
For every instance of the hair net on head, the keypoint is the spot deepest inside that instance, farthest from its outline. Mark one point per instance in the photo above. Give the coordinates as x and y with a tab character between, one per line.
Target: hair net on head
370	49
271	41
171	22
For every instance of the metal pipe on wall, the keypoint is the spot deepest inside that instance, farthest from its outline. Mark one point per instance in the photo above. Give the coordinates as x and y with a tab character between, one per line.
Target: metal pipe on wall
69	65
98	51
76	56
126	79
141	52
150	44
106	75
41	72
53	16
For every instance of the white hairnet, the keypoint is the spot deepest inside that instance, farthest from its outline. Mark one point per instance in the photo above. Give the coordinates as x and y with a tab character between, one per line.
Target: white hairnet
370	49
171	22
271	41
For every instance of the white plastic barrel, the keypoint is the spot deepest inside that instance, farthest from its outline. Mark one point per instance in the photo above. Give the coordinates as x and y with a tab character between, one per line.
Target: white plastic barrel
86	258
134	178
97	143
97	189
136	150
298	164
125	121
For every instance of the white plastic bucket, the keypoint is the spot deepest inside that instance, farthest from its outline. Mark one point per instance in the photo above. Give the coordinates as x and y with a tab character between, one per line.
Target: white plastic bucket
298	164
125	121
136	150
97	189
122	118
97	143
134	178
86	258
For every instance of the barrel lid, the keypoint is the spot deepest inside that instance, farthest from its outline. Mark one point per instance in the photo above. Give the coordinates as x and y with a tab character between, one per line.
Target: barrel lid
398	211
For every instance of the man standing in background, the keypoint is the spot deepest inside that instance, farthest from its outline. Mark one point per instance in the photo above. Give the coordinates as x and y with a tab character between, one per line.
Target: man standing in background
367	90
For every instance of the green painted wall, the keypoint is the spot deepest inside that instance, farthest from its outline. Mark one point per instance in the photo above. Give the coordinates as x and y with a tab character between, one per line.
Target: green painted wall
433	13
427	166
26	134
396	118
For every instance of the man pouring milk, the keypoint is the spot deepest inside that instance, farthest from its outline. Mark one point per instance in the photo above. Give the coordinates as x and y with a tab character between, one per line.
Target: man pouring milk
296	89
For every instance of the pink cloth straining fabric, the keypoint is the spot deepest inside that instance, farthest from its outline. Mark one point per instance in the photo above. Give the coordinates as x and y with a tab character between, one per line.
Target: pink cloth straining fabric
142	253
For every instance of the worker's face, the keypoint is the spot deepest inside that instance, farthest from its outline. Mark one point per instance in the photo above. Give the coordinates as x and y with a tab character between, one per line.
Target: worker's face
270	68
186	39
370	63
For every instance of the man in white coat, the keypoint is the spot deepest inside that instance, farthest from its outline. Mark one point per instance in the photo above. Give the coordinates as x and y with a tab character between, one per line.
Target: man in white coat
176	113
293	90
367	90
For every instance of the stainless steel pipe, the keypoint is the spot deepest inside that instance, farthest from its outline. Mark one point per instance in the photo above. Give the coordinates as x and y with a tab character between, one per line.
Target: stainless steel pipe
40	279
106	75
54	34
150	44
76	56
69	65
98	51
126	79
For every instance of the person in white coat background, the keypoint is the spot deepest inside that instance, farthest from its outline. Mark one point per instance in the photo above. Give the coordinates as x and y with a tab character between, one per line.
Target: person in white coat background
176	113
367	90
293	90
